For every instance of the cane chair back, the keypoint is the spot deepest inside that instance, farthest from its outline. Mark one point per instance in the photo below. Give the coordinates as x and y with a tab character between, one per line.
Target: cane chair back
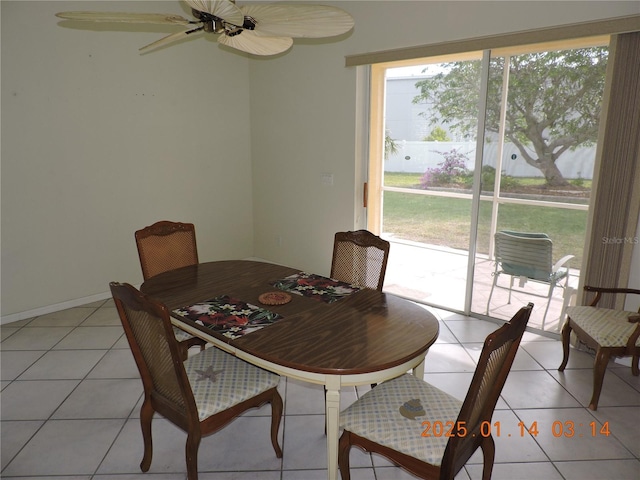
166	246
199	395
360	258
389	419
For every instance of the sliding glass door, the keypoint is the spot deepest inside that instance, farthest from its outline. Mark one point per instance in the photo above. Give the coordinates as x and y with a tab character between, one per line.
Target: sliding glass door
439	190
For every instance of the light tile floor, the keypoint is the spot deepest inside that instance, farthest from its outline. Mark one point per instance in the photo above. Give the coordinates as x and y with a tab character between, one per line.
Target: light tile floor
71	396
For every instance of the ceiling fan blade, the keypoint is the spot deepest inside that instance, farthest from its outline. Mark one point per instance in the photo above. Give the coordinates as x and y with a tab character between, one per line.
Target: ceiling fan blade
174	37
249	42
219	8
310	21
156	18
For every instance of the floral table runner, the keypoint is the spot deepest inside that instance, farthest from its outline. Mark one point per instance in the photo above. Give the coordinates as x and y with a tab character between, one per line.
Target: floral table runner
317	287
231	317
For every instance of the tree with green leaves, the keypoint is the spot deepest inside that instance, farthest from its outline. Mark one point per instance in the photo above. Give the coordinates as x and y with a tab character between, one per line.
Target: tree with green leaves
554	102
438	134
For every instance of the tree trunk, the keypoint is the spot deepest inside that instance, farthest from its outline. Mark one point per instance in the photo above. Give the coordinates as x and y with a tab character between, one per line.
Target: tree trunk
551	173
546	161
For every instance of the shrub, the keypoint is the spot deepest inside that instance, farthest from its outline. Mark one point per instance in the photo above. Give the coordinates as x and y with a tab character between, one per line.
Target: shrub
489	178
450	172
454	173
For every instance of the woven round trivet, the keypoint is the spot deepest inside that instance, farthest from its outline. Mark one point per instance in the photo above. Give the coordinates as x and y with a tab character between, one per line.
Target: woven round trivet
274	298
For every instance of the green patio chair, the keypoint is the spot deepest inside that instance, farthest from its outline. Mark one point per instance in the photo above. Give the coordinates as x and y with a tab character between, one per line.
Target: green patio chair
528	257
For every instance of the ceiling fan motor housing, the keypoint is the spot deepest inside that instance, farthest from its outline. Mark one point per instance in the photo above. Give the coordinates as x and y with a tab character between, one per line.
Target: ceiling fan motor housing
211	23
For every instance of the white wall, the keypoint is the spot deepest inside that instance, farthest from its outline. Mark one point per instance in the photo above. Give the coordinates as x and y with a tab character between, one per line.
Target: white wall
99	141
302	124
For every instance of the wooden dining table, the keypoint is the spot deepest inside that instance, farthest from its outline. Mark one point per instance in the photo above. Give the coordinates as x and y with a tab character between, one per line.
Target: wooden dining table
363	338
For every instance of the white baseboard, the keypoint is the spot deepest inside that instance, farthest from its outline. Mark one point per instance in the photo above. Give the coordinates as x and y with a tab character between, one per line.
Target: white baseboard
36	312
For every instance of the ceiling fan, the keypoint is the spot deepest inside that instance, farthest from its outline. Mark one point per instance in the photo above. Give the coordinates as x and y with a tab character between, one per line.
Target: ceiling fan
265	29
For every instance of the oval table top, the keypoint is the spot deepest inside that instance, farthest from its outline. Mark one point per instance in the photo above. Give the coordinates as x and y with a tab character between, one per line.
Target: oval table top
367	331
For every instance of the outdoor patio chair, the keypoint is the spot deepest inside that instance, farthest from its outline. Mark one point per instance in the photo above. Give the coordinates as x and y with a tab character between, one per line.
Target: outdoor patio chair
166	246
398	418
611	333
200	395
360	258
529	257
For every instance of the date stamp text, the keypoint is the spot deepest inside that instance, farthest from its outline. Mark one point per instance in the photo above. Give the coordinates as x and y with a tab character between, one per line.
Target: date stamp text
566	429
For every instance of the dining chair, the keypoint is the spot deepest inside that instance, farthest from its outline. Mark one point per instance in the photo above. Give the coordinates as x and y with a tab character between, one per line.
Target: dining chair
610	332
166	246
528	257
201	394
401	418
360	258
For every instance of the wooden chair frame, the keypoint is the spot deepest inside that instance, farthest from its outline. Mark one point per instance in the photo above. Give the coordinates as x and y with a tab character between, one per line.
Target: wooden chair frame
603	354
165	229
127	298
477	408
361	241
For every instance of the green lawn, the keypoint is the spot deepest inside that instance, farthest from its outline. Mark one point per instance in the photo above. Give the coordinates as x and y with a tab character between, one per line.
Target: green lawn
412	180
446	221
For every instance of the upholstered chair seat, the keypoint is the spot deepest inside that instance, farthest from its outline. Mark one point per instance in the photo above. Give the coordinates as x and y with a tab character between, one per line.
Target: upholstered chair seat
610	332
392	414
219	381
608	327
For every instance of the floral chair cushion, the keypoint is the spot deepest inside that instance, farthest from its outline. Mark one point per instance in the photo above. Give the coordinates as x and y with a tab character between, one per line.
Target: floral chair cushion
392	414
610	328
219	380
